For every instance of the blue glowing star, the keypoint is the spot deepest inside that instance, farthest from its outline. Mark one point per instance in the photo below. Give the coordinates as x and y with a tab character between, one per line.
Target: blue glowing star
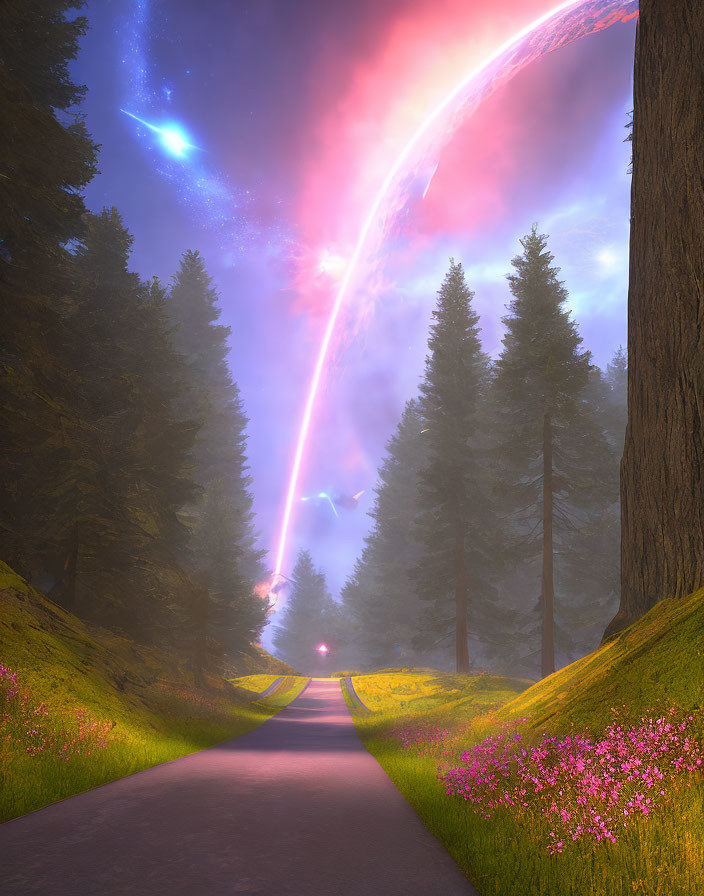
172	136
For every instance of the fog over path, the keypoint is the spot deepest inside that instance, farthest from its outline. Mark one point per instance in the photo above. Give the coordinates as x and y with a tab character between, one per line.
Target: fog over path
295	807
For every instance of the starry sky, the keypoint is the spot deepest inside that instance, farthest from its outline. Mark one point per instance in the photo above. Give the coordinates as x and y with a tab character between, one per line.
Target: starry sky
284	117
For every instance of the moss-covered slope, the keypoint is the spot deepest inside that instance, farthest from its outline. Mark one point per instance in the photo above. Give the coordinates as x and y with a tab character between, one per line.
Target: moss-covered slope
147	700
657	662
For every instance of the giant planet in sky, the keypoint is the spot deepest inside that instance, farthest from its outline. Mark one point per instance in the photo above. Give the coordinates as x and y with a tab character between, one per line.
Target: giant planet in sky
408	179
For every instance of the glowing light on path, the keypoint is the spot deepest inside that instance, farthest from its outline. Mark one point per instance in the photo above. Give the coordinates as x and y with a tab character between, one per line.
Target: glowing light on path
322	649
384	193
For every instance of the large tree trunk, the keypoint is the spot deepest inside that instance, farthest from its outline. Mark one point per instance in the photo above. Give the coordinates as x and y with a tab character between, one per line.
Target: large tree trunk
200	617
461	587
68	591
662	471
547	593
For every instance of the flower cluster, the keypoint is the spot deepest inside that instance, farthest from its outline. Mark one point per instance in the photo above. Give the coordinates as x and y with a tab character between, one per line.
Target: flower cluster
8	683
421	738
585	787
28	727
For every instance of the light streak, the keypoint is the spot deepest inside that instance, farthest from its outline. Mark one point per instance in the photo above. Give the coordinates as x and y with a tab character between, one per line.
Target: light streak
217	203
377	203
430	180
330	501
173	137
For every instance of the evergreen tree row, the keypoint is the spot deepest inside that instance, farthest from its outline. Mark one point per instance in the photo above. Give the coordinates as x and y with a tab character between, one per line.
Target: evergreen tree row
496	523
310	621
126	492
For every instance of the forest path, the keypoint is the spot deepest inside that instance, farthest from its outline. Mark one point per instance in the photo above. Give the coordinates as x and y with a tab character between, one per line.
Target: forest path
296	807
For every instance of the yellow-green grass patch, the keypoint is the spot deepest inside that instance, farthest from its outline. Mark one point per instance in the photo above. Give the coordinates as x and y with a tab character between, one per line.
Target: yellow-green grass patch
154	710
653	665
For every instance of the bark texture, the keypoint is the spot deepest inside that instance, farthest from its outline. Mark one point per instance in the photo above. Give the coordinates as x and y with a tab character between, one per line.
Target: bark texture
662	471
547	595
461	598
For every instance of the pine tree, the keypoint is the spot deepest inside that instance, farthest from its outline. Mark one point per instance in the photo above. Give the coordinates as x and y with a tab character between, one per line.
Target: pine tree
588	568
617	413
114	530
588	521
457	528
379	599
235	617
46	158
550	438
223	553
309	618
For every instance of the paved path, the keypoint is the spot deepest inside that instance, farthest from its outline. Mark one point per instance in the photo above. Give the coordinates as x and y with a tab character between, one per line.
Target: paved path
269	689
296	807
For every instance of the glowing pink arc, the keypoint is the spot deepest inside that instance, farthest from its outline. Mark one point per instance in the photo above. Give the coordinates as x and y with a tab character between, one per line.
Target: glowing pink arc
364	233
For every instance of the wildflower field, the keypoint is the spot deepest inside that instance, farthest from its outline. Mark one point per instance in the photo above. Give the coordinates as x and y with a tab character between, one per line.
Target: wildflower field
80	707
589	782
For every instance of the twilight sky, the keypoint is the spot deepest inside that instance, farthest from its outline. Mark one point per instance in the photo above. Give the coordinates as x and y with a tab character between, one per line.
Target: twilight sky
296	110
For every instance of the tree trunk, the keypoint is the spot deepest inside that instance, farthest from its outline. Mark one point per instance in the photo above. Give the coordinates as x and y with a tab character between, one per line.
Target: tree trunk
200	606
547	596
662	471
461	649
69	591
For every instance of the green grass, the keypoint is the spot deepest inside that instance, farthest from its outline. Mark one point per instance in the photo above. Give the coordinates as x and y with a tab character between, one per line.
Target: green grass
254	684
407	691
156	712
655	664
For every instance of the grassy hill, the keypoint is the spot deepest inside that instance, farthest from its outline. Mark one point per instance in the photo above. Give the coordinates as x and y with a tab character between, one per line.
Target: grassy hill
422	722
87	706
657	662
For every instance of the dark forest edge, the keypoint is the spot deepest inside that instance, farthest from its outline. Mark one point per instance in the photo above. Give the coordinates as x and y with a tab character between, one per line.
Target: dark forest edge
82	705
126	492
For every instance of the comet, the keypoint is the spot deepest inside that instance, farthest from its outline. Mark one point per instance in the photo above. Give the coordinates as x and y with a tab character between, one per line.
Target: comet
173	138
563	24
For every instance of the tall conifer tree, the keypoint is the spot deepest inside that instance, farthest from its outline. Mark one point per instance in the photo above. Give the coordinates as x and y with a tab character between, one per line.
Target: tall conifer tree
223	553
587	518
379	598
549	436
457	525
309	619
616	380
46	158
123	449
